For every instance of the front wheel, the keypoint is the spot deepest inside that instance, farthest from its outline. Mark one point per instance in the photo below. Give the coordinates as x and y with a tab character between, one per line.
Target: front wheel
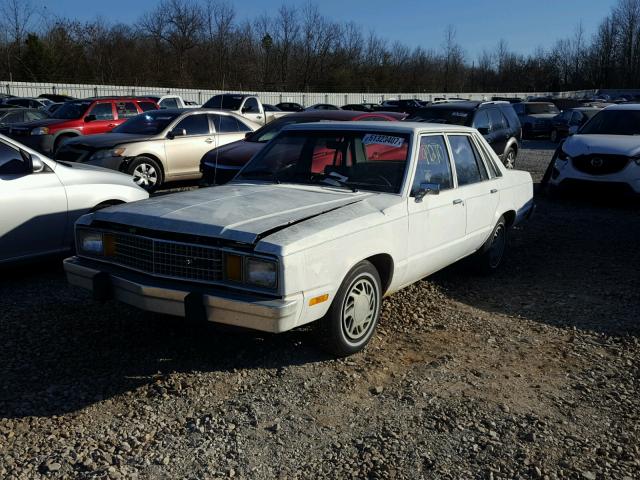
352	318
489	258
146	173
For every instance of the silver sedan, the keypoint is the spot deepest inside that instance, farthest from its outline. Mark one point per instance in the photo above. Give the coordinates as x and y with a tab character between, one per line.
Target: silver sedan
41	199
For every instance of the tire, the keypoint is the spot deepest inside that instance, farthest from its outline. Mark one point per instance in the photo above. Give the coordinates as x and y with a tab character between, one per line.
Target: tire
146	173
488	259
353	316
553	136
510	158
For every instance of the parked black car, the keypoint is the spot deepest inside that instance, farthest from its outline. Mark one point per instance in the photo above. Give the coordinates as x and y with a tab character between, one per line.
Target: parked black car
56	97
290	107
359	107
574	117
535	118
408	106
496	121
270	108
9	116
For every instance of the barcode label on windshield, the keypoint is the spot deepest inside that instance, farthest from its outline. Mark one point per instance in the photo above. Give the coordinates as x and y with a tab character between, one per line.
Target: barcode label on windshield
371	138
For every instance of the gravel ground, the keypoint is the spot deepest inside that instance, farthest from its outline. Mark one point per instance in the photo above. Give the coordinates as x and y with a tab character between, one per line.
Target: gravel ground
533	373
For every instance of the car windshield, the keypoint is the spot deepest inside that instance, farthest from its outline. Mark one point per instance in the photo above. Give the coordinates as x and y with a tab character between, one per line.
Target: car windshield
613	122
148	123
71	110
270	130
366	160
536	108
449	116
224	102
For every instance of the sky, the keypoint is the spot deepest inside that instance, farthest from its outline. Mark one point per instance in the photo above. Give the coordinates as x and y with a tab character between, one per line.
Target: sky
479	24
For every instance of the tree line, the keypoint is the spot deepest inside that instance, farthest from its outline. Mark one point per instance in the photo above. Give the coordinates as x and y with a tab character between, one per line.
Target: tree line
203	44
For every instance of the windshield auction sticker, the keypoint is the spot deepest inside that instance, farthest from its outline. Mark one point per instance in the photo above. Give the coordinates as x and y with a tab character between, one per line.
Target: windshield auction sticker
372	138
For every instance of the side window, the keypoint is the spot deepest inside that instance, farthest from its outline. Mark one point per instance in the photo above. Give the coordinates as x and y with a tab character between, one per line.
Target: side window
242	127
433	165
11	162
498	122
195	125
15	117
224	123
251	106
467	163
146	106
481	121
34	116
169	103
487	152
126	109
102	111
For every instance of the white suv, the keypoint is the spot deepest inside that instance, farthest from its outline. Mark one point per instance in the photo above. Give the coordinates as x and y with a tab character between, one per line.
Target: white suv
604	152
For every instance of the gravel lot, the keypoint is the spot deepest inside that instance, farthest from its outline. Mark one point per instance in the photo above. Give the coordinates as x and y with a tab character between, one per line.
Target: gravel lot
533	373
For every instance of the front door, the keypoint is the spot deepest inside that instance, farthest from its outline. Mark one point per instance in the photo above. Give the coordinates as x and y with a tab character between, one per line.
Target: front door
437	223
185	150
102	118
33	205
251	110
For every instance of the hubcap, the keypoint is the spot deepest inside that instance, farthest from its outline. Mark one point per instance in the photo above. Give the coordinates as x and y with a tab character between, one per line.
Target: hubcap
145	175
497	247
510	161
359	309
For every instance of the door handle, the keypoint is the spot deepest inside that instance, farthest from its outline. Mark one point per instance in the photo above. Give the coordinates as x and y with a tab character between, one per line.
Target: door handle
494	190
208	140
258	116
457	201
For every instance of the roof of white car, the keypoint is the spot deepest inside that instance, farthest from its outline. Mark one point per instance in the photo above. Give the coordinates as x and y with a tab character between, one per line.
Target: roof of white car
624	106
396	127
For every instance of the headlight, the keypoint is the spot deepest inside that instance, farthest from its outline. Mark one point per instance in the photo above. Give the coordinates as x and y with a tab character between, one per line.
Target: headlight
261	273
637	160
102	154
40	131
90	242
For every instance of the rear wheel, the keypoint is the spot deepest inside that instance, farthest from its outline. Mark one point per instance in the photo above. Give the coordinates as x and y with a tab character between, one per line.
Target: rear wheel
146	173
353	316
510	158
489	258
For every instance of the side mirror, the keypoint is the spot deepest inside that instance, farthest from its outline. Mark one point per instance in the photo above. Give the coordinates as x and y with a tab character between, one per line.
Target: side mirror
426	189
247	135
483	130
178	132
37	165
573	130
90	118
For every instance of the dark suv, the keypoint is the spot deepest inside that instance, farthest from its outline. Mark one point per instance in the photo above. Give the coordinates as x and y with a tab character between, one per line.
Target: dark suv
496	121
536	118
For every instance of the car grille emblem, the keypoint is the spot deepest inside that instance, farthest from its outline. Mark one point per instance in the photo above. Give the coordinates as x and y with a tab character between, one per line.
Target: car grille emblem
597	162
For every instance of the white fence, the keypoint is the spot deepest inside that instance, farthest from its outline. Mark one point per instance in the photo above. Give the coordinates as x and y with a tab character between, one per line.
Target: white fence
27	89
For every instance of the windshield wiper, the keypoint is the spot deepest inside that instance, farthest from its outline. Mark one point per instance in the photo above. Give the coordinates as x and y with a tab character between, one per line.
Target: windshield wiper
261	173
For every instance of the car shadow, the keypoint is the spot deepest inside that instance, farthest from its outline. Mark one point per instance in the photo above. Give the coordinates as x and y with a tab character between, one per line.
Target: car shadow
575	265
60	351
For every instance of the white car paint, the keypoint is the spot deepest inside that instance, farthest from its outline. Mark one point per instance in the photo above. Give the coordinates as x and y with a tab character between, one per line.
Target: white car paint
317	234
581	156
39	209
174	101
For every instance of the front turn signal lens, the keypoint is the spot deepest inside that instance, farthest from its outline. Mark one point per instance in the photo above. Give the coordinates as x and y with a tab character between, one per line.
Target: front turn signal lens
233	267
318	299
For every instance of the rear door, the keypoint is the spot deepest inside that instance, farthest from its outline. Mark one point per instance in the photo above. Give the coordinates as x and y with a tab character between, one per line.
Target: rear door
227	129
437	223
183	153
105	119
499	131
474	190
33	206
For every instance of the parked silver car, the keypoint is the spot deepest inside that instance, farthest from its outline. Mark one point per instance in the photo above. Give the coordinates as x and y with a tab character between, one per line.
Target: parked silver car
41	199
159	145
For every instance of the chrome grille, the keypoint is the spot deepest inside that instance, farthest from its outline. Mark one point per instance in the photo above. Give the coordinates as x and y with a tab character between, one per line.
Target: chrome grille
167	258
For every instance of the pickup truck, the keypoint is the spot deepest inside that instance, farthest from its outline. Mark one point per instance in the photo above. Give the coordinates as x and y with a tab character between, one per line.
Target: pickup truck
173	101
320	225
247	106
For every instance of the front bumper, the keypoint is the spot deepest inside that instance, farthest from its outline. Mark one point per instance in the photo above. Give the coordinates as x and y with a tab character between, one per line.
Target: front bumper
182	300
626	181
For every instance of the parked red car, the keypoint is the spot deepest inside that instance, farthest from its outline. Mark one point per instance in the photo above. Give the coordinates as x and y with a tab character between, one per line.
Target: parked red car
79	117
223	163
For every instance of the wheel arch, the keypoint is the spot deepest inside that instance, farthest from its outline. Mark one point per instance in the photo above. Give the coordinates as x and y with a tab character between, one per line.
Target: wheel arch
509	217
125	164
383	263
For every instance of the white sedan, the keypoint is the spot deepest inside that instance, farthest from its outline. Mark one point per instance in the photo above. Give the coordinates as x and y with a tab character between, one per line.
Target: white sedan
41	199
321	224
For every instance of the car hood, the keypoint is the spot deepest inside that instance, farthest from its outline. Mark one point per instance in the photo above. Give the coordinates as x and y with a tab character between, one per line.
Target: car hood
626	145
105	140
239	212
45	122
235	154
